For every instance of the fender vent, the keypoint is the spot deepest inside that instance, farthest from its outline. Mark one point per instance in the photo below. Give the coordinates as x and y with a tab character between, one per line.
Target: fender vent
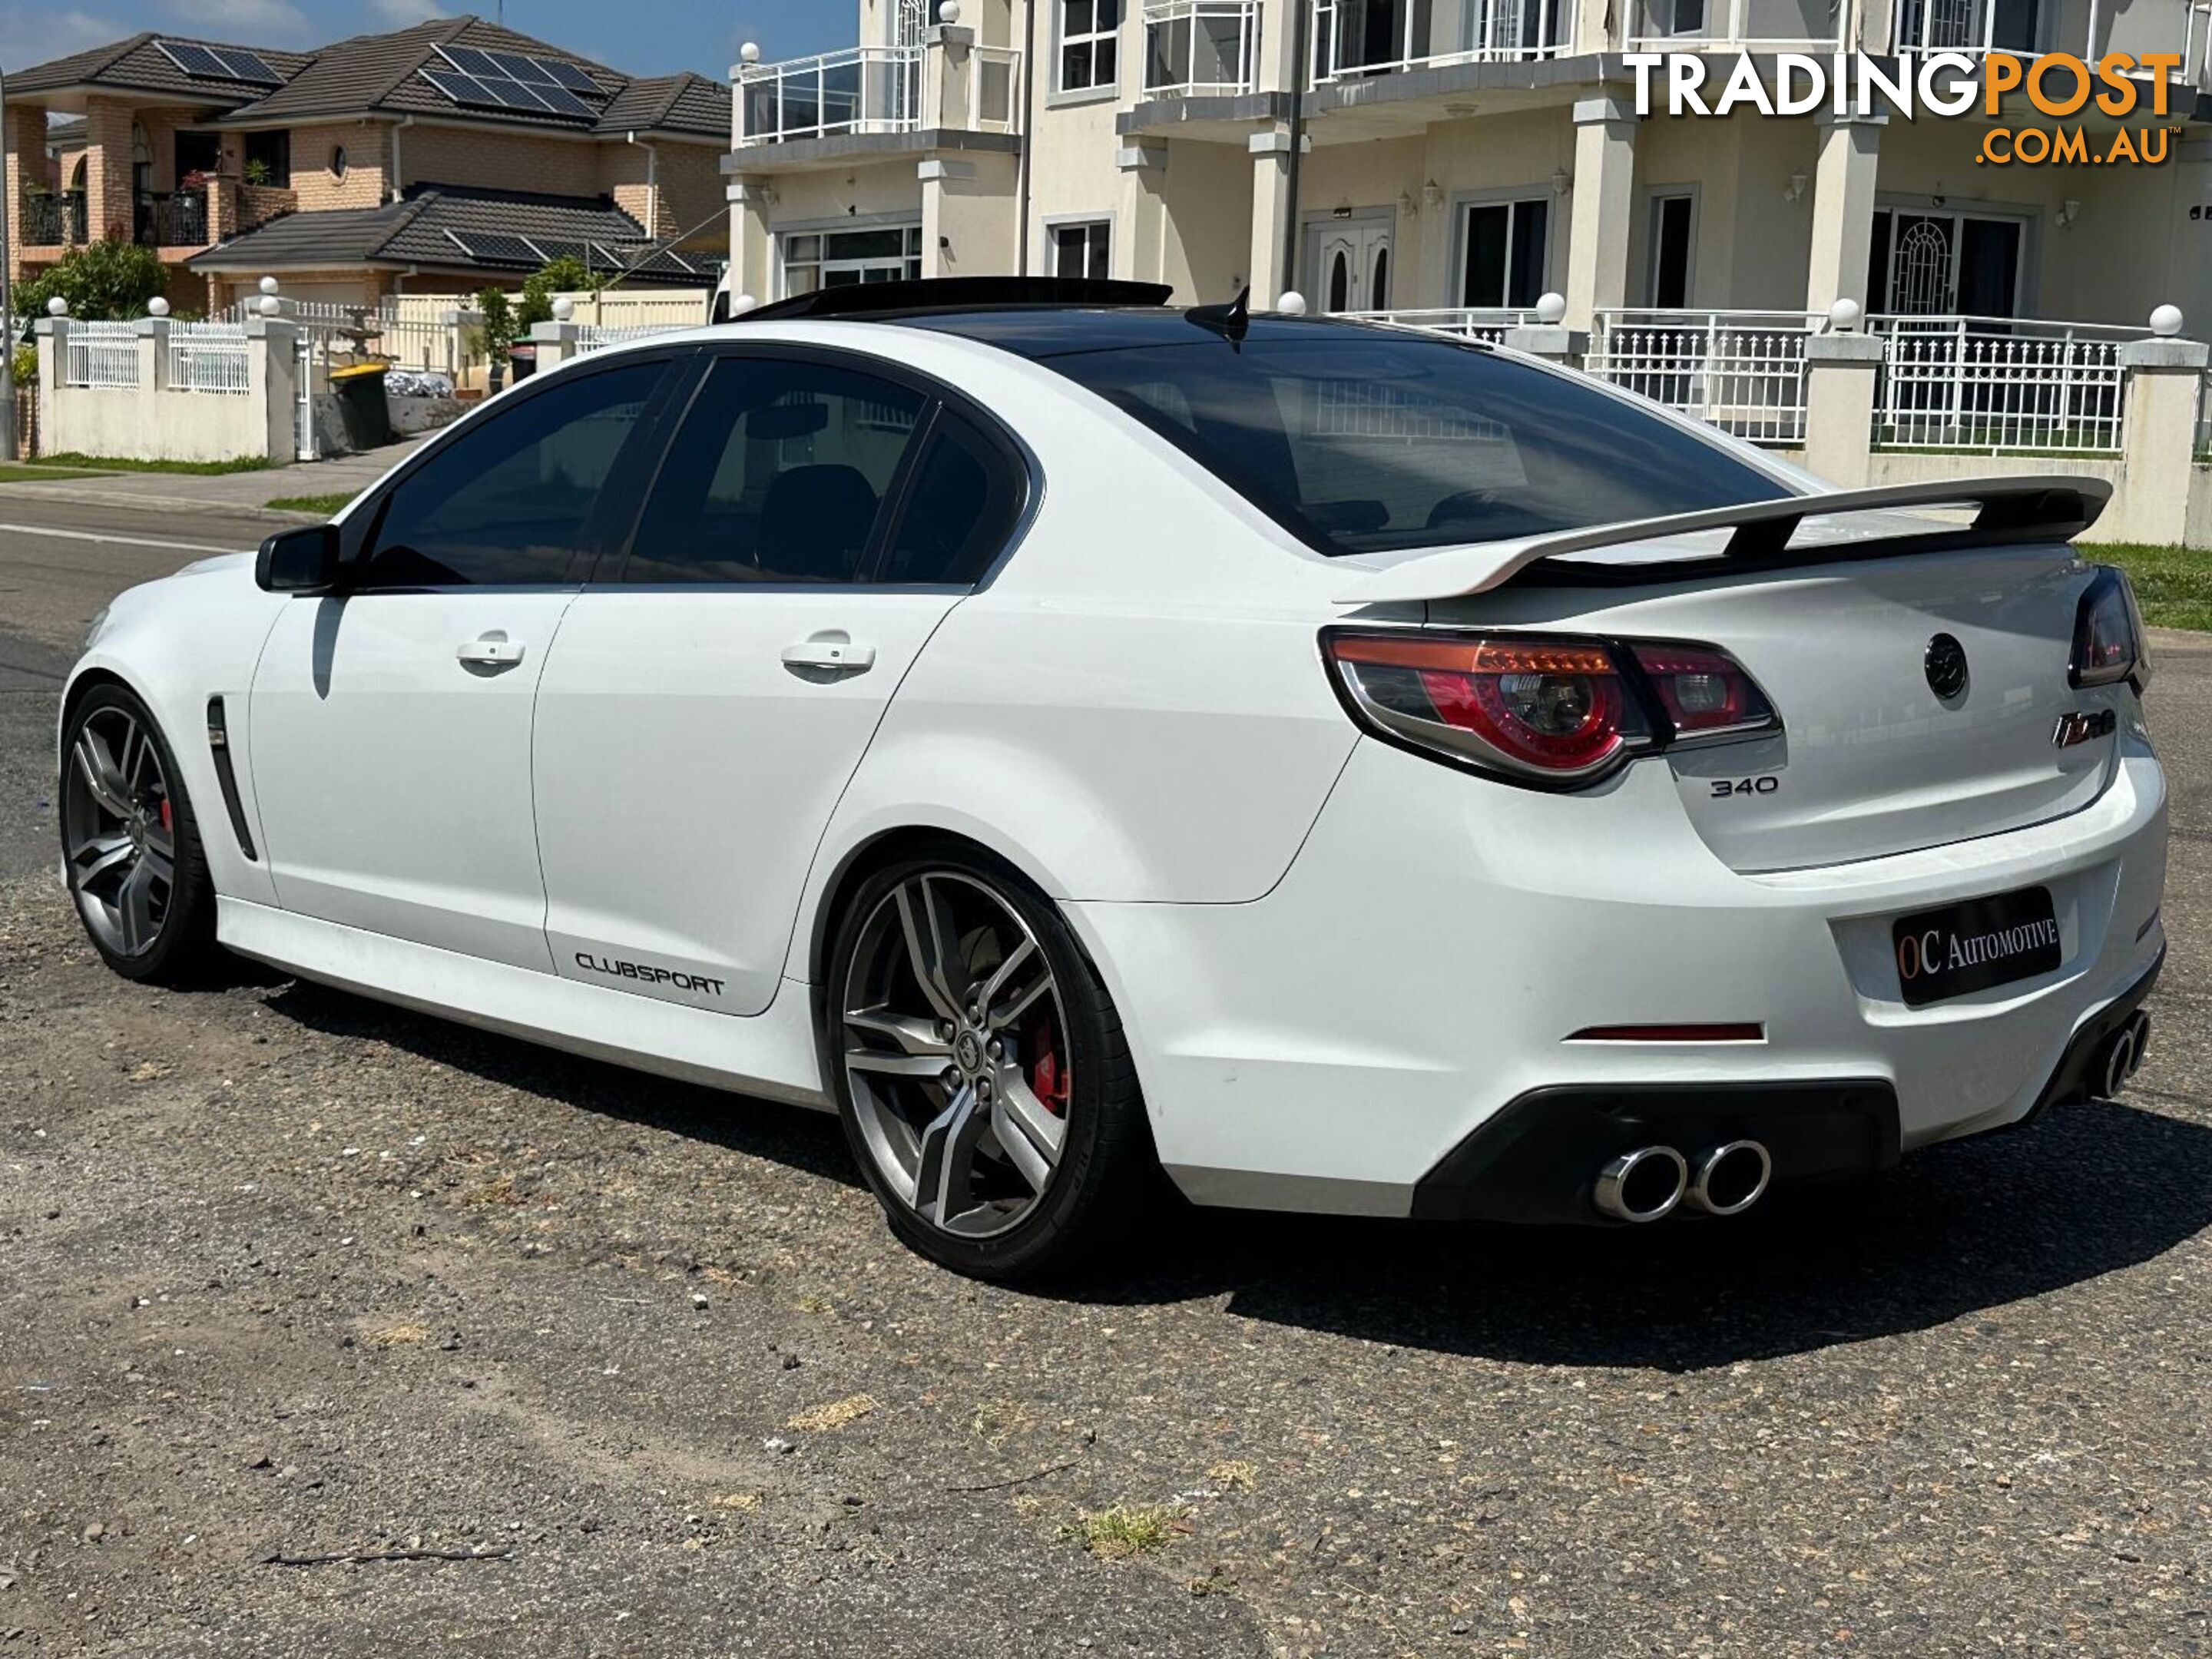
226	779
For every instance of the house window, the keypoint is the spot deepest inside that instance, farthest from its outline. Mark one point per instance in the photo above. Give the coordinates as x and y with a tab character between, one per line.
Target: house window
337	161
833	258
269	159
1083	250
1672	218
1944	265
1089	38
1504	253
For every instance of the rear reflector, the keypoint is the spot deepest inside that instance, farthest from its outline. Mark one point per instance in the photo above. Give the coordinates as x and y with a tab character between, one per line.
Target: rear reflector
1670	1034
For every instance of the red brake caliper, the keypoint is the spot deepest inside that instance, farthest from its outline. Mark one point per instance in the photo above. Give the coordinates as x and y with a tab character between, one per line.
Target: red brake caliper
167	828
1048	1077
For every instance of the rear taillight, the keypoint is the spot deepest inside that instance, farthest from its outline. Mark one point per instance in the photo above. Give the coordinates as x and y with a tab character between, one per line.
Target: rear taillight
2108	645
1554	713
1704	693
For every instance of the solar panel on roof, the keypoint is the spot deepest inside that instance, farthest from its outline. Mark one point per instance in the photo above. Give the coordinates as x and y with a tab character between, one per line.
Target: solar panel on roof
572	76
523	69
248	66
495	247
195	60
480	79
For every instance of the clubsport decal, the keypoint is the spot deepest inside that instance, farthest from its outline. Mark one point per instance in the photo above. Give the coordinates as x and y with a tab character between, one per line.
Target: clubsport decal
649	975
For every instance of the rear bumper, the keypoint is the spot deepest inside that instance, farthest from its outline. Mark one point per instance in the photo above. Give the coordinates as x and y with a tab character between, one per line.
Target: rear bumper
1421	970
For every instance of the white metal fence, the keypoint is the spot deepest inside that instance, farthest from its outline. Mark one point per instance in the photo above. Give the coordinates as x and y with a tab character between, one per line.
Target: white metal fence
1742	371
208	357
1995	385
1346	45
591	336
1465	322
101	354
2203	446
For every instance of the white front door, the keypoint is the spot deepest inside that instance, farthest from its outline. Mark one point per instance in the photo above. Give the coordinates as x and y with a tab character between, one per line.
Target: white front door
1350	266
392	724
704	711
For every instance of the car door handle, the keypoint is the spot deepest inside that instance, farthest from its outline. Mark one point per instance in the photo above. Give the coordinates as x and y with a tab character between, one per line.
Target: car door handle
833	652
493	650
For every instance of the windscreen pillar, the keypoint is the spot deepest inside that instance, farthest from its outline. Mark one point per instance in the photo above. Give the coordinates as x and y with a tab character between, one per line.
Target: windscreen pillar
1272	208
2165	378
1843	211
1840	372
1599	208
1140	253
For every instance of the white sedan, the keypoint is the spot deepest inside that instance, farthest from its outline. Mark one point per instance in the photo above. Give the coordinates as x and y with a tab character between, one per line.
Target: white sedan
1071	738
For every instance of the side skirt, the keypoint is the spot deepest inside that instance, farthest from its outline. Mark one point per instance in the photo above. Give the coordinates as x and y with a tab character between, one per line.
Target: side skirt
773	1054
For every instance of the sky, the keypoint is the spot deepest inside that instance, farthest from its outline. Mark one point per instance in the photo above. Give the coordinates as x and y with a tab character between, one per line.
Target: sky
639	37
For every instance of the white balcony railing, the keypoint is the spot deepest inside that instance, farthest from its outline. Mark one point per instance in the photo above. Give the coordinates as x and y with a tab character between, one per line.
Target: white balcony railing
1742	371
1462	322
1201	48
870	90
1355	38
1997	385
1737	25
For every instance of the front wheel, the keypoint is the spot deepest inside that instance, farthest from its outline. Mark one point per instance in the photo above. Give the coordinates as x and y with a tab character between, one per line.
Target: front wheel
982	1076
131	846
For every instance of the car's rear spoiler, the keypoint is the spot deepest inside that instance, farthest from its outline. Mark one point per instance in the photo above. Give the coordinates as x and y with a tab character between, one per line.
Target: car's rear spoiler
2035	509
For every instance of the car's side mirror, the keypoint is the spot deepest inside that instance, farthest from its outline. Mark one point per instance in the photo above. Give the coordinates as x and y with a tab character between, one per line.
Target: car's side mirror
299	560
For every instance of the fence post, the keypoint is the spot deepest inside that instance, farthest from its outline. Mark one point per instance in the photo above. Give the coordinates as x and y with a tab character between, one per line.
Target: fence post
555	343
154	353
53	332
1548	337
2163	379
1841	368
272	378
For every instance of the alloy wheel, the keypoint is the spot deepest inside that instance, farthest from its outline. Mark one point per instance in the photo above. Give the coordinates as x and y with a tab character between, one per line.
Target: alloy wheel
118	830
955	1054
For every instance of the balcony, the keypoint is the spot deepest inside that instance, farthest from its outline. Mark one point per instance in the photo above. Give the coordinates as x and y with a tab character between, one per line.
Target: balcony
1813	26
172	220
1355	38
869	91
54	221
1201	48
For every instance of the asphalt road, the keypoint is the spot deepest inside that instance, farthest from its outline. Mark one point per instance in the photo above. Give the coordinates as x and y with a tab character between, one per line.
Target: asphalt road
285	1276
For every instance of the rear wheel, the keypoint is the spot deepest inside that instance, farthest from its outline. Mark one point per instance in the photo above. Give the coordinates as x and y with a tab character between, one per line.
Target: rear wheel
131	846
984	1079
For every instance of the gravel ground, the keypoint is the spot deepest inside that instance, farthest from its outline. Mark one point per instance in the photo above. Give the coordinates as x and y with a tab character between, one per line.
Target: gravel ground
292	1283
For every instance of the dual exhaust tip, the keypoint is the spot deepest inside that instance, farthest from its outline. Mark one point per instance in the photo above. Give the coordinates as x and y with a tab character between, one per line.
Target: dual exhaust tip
1652	1182
2123	1056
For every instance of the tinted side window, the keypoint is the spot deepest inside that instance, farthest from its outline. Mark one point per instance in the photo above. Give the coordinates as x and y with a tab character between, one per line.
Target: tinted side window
959	511
778	475
510	502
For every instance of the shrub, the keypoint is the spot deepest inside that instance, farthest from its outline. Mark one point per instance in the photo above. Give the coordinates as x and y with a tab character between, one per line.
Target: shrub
103	282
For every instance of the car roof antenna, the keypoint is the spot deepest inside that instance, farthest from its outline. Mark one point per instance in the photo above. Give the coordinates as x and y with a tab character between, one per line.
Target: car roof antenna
1231	322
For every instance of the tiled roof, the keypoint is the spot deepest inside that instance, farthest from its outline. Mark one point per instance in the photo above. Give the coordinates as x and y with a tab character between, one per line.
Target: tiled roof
376	72
138	64
503	233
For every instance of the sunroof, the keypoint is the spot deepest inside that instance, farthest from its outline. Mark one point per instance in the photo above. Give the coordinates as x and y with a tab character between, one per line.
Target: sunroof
511	80
205	63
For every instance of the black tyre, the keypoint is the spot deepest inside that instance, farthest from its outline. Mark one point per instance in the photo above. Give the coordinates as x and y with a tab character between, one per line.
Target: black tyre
981	1074
131	844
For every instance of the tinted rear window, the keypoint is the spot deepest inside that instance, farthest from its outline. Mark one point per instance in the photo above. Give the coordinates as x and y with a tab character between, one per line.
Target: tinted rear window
1367	444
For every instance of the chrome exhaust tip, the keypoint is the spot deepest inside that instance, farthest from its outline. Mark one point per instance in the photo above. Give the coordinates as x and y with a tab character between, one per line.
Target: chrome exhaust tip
2119	1063
2139	1029
1731	1178
1643	1185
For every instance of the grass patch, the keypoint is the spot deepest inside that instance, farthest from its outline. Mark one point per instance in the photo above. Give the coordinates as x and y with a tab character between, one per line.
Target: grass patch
111	464
1126	1529
820	1419
10	473
323	506
2173	583
405	1335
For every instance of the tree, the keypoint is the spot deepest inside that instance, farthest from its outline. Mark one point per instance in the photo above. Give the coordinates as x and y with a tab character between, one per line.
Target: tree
566	274
501	327
106	281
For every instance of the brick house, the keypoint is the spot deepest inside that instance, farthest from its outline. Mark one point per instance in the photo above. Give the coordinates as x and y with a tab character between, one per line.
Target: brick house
454	155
